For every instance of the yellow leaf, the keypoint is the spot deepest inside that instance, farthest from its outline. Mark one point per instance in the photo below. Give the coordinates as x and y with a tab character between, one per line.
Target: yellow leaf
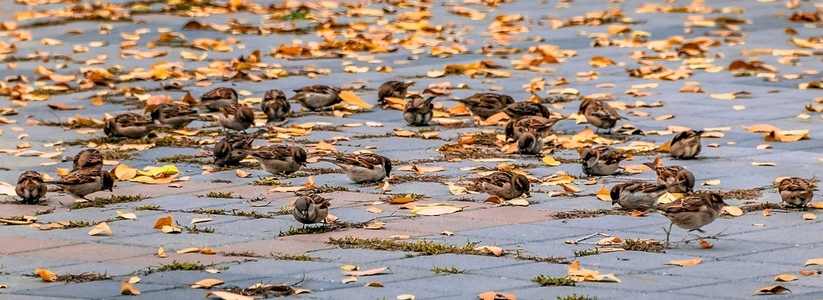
163	171
401	200
809	217
518	202
161	253
711	182
785	277
188	250
206	283
242	174
551	161
705	245
351	98
771	290
134	279
374	210
128	289
733	211
348	280
126	215
46	275
163	221
100	229
815	261
496	251
228	296
435	209
685	263
350	268
604	195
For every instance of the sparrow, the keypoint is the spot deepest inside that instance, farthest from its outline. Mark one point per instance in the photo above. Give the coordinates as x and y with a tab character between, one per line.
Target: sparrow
394	89
128	125
88	159
692	212
527	108
364	167
599	114
504	184
796	192
636	194
233	148
217	98
418	111
275	106
174	115
685	145
30	187
600	160
236	116
529	132
84	181
674	174
310	209
280	159
317	96
485	105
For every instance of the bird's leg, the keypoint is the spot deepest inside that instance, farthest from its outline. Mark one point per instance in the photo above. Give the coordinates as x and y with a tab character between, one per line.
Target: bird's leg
668	233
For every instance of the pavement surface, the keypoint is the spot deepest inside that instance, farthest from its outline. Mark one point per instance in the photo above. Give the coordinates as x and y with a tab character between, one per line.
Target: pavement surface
249	231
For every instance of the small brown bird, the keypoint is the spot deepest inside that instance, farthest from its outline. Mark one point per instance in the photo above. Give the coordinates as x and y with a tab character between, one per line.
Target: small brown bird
364	167
504	184
679	179
600	160
174	115
796	192
217	98
310	209
599	114
236	117
30	187
317	96
275	106
692	212
233	148
128	125
394	89
418	111
686	145
529	132
484	105
88	159
636	194
280	159
82	182
527	108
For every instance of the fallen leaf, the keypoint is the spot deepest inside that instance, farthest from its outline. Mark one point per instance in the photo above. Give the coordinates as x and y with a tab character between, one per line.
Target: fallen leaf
349	280
763	164
705	245
711	182
496	296
785	277
350	268
161	253
134	279
685	263
366	272
771	290
733	210
603	194
100	229
128	289
551	161
374	210
46	275
206	283
809	217
809	272
228	296
351	98
126	215
435	209
163	221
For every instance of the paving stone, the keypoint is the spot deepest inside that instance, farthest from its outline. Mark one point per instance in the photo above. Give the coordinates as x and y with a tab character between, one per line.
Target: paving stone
90	290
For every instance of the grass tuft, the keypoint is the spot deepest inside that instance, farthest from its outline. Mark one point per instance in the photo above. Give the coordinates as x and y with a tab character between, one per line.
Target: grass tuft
102	202
447	271
543	280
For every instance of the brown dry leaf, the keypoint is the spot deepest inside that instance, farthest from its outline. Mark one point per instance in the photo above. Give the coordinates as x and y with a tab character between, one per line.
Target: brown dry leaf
161	252
569	188
374	284
685	263
761	128
401	200
366	272
809	272
816	205
100	229
46	275
496	296
809	217
242	174
637	213
494	250
188	250
374	210
493	199
785	277
128	289
771	290
164	221
63	106
767	212
733	210
787	136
